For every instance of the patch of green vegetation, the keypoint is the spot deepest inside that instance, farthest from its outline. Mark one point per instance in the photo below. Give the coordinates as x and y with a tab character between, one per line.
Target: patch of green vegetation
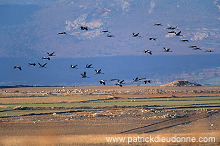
197	102
170	99
25	112
133	102
48	99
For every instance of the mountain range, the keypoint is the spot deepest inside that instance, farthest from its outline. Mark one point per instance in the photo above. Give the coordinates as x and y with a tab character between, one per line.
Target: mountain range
29	29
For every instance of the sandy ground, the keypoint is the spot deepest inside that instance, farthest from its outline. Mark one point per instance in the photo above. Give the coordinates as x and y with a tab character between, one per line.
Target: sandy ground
69	129
96	132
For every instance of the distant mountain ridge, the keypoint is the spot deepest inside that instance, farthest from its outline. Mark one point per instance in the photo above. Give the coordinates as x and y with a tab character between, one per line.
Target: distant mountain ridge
197	20
31	28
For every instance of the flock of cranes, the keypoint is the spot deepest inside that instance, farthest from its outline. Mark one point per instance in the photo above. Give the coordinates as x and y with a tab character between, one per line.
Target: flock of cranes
118	82
40	65
174	33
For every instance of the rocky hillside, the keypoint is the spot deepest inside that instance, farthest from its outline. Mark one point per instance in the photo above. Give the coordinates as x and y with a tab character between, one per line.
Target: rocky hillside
180	83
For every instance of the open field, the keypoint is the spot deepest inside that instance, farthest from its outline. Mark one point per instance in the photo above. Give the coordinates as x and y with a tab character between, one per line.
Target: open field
87	115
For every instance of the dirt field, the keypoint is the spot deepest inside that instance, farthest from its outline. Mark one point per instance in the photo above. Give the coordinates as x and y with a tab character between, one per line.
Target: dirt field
96	115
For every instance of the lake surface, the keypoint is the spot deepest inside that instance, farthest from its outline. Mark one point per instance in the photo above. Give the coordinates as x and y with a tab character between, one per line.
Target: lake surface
58	72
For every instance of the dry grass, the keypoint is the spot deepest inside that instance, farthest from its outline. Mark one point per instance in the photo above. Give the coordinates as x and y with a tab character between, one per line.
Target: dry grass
102	139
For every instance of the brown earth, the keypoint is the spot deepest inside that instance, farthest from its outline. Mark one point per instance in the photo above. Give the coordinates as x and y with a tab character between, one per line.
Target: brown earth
92	126
181	83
